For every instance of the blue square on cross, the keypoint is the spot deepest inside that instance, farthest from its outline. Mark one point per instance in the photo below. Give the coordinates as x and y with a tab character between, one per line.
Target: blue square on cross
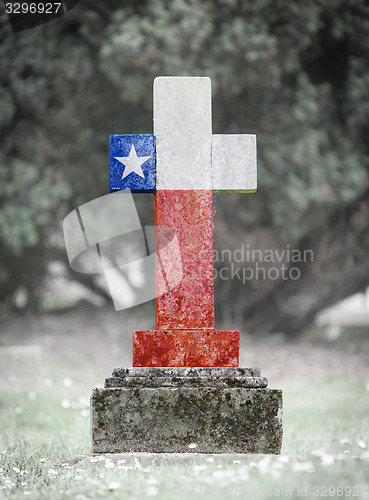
132	161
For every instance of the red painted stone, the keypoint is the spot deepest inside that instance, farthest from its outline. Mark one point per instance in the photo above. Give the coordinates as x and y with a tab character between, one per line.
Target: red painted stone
190	305
185	334
186	348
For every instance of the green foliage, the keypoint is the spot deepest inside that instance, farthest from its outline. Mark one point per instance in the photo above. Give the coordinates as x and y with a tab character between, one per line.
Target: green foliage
31	198
259	57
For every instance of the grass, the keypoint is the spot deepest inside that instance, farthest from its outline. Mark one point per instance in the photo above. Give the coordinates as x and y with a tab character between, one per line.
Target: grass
325	451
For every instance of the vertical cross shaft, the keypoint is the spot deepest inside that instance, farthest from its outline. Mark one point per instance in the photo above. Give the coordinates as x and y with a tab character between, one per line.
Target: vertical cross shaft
191	304
185	334
184	198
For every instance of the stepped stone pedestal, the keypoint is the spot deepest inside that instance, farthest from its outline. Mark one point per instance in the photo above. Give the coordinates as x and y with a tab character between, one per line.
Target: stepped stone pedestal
165	410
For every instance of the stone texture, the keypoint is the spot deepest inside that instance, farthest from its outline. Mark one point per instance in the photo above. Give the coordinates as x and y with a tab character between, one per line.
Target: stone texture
120	146
180	348
251	382
186	376
182	126
168	269
186	372
234	162
191	304
217	420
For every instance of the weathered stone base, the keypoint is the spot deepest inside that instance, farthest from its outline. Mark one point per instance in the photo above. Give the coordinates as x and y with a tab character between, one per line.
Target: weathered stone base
170	418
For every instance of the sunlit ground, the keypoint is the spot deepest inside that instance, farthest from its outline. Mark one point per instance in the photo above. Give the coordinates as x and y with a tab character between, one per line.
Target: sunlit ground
326	429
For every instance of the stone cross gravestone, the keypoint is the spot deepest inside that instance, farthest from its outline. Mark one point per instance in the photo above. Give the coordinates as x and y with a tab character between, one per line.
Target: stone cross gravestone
185	386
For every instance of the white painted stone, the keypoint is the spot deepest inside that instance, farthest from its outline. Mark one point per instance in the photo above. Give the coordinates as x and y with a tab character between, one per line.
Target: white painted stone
188	155
182	126
234	162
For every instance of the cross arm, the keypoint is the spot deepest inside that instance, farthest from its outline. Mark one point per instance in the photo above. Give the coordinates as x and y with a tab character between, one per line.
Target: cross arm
183	154
234	163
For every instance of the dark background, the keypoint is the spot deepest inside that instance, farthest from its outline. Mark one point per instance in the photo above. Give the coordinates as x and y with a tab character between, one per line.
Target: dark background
294	73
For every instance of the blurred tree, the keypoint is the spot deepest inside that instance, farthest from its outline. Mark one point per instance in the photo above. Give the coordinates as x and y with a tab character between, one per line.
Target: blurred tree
296	74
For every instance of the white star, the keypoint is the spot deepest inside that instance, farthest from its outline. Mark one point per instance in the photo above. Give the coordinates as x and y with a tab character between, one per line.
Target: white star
132	163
